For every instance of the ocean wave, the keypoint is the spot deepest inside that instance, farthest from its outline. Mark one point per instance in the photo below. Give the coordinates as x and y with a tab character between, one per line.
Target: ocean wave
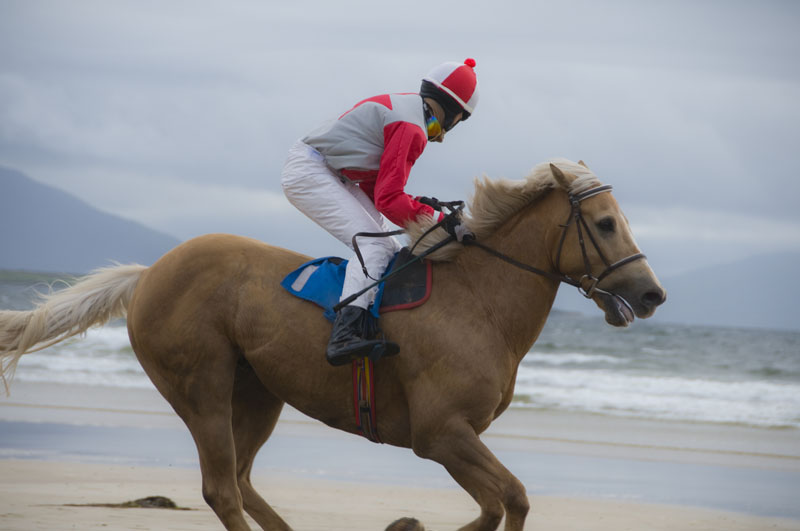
101	356
690	374
757	403
117	379
570	358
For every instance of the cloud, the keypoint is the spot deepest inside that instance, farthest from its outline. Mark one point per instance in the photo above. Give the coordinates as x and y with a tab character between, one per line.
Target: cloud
680	224
179	115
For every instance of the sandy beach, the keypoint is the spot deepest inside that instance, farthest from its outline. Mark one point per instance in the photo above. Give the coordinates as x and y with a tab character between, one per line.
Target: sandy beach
64	446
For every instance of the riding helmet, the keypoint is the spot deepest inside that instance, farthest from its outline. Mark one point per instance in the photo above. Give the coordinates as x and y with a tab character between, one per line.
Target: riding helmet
454	86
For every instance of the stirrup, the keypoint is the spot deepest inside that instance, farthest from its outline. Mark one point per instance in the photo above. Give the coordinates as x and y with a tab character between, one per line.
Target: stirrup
374	349
383	349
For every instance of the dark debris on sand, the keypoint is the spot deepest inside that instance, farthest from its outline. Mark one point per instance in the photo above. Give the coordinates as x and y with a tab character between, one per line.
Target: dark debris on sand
150	502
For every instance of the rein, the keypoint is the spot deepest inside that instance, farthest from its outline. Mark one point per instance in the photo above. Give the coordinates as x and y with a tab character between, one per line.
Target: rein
455	209
575	215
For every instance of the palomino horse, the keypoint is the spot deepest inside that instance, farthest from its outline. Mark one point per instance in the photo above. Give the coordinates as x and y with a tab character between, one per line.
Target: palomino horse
227	346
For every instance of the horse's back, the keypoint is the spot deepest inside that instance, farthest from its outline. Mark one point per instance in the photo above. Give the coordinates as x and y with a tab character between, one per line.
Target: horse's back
225	253
207	281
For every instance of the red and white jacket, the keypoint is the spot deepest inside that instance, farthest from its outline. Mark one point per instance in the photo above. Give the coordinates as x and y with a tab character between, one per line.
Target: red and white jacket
375	144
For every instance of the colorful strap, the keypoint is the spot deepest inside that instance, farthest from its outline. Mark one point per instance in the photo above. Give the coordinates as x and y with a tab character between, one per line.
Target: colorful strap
364	399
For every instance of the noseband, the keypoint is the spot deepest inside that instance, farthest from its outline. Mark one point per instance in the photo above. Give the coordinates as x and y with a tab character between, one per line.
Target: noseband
587	285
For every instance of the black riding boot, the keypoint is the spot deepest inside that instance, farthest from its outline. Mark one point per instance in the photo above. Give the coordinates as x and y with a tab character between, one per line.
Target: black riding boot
350	338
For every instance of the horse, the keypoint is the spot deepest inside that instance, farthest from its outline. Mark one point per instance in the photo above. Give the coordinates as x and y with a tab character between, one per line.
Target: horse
228	347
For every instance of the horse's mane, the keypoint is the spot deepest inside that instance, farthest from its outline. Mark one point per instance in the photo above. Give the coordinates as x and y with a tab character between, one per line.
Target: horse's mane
494	201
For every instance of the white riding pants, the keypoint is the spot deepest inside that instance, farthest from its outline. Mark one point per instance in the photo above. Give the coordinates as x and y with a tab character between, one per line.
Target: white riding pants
342	209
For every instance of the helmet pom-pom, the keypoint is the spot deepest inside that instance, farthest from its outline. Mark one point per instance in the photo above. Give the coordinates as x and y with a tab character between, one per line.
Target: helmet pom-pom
470	62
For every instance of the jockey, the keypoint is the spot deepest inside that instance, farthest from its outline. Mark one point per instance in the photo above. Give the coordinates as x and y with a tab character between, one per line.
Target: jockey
351	172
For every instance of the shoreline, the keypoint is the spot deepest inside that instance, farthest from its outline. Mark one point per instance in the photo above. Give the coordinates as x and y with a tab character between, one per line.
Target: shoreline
616	466
47	495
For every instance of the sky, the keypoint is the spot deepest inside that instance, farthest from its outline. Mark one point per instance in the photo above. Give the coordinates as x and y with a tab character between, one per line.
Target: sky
179	114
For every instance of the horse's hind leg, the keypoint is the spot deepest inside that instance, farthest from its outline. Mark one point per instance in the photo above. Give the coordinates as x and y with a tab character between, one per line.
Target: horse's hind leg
479	472
255	413
199	386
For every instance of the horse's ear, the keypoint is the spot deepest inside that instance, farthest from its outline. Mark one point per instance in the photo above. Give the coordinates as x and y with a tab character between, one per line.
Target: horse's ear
562	179
583	164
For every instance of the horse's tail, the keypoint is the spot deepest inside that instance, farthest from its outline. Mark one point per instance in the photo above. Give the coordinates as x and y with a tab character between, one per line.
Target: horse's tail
94	300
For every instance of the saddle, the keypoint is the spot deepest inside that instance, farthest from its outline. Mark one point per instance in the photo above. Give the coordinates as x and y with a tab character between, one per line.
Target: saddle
320	281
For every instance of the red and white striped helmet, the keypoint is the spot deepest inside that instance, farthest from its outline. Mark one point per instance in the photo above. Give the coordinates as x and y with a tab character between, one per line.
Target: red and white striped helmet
458	80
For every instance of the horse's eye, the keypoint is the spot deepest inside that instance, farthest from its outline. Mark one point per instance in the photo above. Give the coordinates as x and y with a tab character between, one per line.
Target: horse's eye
606	225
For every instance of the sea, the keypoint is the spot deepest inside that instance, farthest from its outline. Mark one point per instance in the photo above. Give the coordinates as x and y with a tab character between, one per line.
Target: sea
649	370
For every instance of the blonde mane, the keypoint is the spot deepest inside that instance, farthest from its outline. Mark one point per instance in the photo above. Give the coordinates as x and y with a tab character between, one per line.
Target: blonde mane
494	201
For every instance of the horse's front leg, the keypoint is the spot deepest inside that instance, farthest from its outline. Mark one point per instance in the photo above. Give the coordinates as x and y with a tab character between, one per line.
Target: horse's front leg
456	446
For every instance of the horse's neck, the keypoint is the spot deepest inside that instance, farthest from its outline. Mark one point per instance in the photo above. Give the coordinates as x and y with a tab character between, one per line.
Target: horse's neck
518	301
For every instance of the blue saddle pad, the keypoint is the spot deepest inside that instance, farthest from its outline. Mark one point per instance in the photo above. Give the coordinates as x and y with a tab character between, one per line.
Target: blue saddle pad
320	281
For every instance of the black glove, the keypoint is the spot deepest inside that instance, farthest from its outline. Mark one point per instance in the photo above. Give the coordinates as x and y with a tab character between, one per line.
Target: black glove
457	228
431	202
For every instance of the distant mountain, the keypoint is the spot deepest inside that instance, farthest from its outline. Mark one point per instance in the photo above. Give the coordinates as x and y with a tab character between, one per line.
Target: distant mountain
760	292
45	229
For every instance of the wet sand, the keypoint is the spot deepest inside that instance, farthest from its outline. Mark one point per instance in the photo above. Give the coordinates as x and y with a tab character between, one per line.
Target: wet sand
63	444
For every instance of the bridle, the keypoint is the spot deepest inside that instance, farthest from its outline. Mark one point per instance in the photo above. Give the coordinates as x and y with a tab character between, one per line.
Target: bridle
456	207
587	284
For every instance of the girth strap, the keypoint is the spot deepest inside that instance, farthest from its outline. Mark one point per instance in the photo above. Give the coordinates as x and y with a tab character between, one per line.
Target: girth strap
364	399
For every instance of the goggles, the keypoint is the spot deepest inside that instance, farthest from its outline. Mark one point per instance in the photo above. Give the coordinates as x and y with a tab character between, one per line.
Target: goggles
435	127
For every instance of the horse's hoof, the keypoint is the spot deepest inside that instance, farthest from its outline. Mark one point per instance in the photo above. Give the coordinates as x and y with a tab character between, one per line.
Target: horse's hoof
406	524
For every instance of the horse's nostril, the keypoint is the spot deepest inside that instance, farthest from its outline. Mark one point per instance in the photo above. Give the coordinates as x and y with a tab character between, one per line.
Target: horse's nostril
651	299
